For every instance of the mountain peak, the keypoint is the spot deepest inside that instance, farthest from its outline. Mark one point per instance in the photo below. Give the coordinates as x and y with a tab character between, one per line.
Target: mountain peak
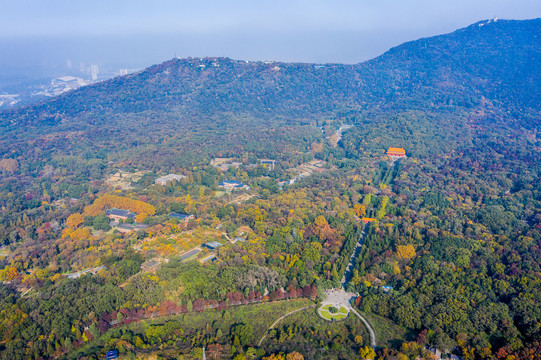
494	61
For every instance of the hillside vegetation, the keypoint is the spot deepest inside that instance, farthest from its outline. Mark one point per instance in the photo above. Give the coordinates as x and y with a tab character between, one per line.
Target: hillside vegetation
450	258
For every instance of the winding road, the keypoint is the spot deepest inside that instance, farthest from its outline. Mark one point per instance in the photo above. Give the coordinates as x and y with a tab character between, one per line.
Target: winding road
368	326
280	319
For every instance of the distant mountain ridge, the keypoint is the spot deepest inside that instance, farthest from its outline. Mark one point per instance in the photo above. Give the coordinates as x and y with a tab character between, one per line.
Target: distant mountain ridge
490	62
495	58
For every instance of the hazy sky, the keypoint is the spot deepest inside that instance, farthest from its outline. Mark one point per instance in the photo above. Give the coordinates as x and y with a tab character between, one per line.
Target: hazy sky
135	33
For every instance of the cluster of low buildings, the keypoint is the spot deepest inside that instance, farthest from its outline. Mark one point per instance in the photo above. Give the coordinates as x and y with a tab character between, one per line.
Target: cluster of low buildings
164	180
212	245
181	217
225	163
268	163
304	170
119	214
66	83
230	185
126	228
9	99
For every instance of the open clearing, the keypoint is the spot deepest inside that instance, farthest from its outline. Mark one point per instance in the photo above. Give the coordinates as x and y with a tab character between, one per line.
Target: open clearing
326	313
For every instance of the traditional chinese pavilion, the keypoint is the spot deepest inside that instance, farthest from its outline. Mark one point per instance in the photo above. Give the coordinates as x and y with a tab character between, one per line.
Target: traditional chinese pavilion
396	152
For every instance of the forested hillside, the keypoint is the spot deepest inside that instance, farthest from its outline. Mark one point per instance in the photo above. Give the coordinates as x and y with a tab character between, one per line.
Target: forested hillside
451	255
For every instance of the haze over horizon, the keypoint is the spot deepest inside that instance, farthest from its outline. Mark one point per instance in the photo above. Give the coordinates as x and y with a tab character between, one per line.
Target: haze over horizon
270	210
38	39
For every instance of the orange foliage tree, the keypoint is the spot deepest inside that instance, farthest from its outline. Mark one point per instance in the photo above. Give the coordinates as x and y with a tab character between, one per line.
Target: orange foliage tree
9	165
294	356
141	217
121	202
9	273
74	220
80	234
360	210
324	231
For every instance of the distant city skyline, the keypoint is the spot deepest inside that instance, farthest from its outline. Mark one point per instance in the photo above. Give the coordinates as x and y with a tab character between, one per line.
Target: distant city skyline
61	34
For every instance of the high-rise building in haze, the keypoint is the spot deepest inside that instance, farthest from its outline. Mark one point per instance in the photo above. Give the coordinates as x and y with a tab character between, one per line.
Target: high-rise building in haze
94	69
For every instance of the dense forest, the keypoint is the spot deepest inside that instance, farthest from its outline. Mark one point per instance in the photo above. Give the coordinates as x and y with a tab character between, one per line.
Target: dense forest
452	237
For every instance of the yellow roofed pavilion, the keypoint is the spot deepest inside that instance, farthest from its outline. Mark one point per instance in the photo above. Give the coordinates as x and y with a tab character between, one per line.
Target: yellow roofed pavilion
396	152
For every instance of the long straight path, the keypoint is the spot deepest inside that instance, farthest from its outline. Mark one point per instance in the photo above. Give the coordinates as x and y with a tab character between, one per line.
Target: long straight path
351	264
341	297
347	277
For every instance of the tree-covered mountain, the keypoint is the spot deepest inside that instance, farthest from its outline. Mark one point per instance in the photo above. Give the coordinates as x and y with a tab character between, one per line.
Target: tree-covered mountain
451	253
487	70
491	59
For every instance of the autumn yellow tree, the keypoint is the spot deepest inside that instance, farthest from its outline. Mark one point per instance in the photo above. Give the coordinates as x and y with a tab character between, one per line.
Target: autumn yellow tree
333	140
74	220
80	234
294	356
66	232
360	210
114	201
141	217
274	357
321	221
405	251
8	274
367	353
9	165
316	147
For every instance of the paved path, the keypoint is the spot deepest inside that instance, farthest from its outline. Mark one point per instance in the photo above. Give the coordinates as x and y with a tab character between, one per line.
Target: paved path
190	253
351	264
339	297
280	319
78	274
368	326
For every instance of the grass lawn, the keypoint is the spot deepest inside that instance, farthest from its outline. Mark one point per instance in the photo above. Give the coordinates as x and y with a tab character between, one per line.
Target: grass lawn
313	336
219	194
388	334
326	314
330	317
258	316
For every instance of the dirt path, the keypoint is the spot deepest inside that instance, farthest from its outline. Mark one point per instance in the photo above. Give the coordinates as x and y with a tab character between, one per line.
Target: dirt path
280	319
